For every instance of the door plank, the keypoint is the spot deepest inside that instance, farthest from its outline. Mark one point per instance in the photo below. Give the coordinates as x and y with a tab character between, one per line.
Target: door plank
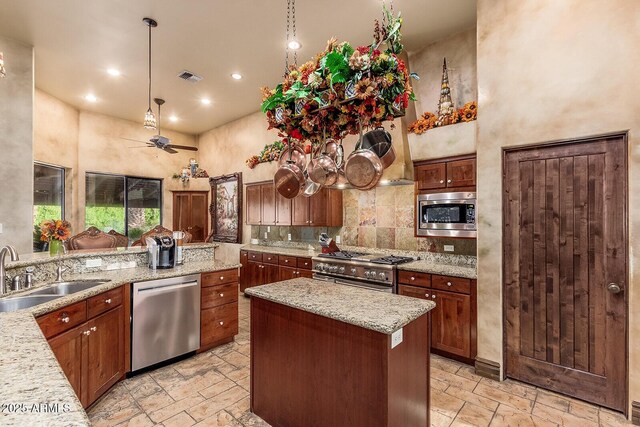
539	266
566	262
581	263
525	252
552	242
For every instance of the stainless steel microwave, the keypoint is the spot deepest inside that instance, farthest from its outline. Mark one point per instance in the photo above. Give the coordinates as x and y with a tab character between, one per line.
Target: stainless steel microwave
446	214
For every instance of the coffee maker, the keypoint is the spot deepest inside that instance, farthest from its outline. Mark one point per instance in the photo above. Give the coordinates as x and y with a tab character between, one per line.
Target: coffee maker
161	251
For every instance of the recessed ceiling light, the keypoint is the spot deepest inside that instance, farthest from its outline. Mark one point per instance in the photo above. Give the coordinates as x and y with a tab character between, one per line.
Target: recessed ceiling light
294	45
90	97
236	76
173	119
113	72
205	101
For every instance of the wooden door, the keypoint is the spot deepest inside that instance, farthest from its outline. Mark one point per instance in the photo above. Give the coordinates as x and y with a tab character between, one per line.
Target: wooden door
254	275
254	205
461	173
271	273
198	226
268	205
300	211
283	210
565	268
307	274
67	348
181	210
431	176
287	273
244	270
105	352
319	208
451	323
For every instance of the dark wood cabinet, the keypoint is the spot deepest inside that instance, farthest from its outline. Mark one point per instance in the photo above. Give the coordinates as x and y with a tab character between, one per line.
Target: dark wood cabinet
191	213
260	268
287	273
268	204
300	211
254	205
453	320
244	270
218	308
92	354
283	210
456	173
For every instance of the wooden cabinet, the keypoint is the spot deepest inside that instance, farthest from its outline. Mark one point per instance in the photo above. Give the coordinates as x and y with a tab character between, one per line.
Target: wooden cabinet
453	320
191	213
219	308
453	173
260	268
92	353
265	206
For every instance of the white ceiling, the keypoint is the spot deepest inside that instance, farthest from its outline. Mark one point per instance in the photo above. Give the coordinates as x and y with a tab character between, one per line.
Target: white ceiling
76	41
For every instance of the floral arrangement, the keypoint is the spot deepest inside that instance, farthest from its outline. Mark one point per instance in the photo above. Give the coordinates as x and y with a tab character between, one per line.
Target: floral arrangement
55	229
341	86
269	153
428	120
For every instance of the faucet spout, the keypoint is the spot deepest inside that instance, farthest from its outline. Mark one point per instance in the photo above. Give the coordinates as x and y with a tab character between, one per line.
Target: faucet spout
3	270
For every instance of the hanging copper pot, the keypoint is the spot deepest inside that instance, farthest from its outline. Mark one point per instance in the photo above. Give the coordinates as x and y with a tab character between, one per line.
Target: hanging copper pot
295	153
380	142
363	168
289	178
324	170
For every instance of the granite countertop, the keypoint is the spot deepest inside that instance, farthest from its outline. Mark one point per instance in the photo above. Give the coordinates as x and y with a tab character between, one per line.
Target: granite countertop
281	250
29	372
426	266
378	311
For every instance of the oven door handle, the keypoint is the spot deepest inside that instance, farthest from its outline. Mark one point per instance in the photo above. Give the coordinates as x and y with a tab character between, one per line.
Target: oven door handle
369	287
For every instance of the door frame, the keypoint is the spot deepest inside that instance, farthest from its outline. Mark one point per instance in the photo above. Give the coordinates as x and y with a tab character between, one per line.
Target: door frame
624	135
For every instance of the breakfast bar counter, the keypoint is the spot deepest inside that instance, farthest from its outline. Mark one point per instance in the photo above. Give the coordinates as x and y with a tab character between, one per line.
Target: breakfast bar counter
329	354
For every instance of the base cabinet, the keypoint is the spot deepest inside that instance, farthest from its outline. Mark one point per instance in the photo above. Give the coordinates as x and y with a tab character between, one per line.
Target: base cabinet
260	268
218	308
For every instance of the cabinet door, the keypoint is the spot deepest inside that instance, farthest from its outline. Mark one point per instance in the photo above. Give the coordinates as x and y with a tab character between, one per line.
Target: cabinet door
283	210
181	210
461	173
307	274
414	291
244	270
268	194
67	348
198	225
300	211
335	211
254	202
105	352
431	176
271	273
287	273
254	274
451	323
218	323
319	208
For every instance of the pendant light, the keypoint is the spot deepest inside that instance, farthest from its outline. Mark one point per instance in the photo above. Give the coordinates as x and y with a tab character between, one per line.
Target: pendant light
149	117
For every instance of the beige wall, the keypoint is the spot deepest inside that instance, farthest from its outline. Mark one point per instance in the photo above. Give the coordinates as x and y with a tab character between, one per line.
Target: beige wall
83	142
550	70
16	145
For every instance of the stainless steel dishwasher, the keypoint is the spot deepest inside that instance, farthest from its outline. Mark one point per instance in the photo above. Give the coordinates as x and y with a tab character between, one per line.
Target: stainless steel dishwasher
165	318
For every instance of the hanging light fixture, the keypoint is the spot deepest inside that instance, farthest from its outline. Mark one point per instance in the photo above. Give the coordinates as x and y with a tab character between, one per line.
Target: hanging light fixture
149	117
3	72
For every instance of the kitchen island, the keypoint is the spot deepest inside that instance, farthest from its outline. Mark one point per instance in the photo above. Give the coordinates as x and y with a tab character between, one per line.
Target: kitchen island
333	355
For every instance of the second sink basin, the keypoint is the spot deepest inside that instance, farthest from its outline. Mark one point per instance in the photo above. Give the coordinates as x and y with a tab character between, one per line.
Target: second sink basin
71	287
18	303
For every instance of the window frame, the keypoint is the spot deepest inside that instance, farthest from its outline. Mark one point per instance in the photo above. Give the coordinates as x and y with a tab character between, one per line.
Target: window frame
126	194
63	196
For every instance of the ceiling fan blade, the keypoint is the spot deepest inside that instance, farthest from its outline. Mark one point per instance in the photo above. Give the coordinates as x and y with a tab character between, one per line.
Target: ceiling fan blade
184	147
169	150
134	140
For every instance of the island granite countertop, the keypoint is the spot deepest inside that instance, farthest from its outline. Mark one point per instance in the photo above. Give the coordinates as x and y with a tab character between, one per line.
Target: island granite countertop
426	266
378	311
30	376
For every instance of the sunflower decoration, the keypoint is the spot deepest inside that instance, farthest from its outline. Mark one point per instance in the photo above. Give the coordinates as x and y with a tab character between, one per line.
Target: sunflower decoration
426	121
364	88
469	112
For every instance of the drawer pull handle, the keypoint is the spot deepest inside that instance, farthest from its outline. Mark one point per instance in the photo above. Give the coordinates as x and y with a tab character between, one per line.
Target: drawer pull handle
448	283
221	323
93	328
107	301
221	277
87	333
221	295
413	278
65	318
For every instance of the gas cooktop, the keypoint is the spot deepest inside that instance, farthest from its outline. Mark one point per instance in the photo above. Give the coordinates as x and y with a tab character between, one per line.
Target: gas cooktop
365	257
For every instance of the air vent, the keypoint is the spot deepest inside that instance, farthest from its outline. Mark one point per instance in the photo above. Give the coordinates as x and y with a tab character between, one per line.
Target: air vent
189	76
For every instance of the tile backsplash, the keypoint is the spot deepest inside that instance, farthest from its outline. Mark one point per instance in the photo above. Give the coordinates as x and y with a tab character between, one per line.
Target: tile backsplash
378	218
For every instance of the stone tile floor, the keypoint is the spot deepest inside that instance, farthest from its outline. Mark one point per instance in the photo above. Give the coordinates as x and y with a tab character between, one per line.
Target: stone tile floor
212	389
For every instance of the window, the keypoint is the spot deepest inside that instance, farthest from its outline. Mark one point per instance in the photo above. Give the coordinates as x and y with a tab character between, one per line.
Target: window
48	197
128	205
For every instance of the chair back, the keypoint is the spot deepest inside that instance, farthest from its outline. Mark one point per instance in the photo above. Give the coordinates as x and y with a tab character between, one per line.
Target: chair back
91	238
158	230
122	241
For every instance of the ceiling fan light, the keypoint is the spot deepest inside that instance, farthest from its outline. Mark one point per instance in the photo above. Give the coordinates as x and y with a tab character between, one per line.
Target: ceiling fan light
150	120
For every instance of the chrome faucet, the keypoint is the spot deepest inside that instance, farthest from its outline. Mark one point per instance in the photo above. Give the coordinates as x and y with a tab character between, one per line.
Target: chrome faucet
3	271
60	270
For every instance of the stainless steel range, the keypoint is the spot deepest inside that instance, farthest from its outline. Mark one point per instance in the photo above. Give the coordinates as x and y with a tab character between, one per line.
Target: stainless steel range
371	271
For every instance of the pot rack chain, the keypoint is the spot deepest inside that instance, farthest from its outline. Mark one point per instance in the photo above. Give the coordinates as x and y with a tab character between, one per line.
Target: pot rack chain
291	25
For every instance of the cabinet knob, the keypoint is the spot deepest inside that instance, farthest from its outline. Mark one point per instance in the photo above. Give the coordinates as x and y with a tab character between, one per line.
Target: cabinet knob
65	318
93	328
107	301
448	283
448	181
426	295
87	333
286	260
433	296
221	277
221	295
442	181
221	323
413	278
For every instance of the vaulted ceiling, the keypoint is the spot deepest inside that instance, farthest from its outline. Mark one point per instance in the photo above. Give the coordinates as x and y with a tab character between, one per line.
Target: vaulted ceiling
77	41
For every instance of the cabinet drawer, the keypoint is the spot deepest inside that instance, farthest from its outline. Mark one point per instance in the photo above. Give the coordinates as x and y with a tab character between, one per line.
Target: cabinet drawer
413	291
219	277
219	323
414	278
288	261
104	302
453	284
214	296
255	256
304	263
270	258
63	319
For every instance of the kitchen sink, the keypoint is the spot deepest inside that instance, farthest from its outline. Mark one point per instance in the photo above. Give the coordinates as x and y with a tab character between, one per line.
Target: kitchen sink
71	287
18	303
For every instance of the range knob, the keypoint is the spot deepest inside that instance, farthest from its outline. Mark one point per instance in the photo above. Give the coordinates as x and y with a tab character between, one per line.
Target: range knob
320	267
367	273
353	270
382	276
334	268
341	269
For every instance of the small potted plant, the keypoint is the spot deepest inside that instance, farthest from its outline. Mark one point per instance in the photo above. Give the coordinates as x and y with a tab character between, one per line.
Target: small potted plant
55	232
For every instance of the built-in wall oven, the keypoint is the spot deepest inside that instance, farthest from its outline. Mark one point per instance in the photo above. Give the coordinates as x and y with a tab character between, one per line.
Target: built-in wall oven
446	214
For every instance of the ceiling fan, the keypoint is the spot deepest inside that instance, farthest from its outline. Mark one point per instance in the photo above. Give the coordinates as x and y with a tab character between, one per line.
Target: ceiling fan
162	142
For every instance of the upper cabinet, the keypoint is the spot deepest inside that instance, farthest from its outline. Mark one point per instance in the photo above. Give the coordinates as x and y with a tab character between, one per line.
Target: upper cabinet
265	206
455	173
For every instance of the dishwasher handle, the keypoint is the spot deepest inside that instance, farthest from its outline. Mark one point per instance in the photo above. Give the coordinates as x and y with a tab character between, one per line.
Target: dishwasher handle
166	288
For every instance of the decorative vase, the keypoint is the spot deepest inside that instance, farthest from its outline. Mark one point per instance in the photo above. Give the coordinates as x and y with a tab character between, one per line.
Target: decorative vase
55	247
